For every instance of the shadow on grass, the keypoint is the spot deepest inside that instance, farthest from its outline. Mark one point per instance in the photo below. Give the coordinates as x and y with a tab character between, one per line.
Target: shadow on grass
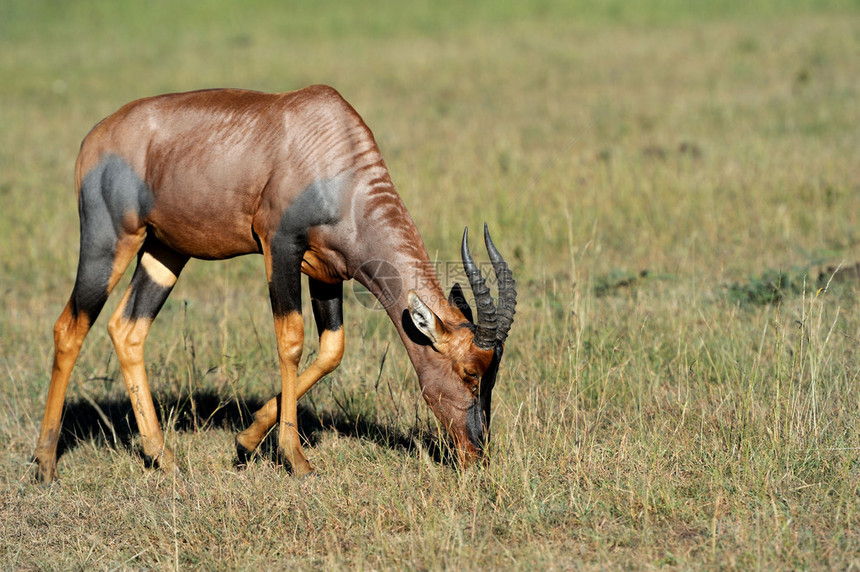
111	421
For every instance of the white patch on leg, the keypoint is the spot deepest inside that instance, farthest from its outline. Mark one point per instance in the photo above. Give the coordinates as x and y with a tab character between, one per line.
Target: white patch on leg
158	272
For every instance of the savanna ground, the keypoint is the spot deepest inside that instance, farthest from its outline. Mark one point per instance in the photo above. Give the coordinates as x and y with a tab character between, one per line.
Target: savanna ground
680	389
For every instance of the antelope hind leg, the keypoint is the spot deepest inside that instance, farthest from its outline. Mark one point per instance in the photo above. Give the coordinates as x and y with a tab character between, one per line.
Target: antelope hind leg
103	260
157	271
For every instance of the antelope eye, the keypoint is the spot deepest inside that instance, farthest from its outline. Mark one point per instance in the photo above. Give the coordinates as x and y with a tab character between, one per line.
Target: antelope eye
471	373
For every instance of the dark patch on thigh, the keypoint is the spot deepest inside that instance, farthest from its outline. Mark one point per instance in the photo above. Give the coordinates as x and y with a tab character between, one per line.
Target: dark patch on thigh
110	194
112	190
91	283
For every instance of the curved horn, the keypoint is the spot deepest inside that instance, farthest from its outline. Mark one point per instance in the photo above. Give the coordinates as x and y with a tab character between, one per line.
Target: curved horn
507	288
486	326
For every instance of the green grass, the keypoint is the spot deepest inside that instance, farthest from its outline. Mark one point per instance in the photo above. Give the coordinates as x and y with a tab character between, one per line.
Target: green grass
636	160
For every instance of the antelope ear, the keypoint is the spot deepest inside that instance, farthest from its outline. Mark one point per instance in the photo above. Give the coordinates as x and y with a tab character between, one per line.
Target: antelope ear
426	321
458	299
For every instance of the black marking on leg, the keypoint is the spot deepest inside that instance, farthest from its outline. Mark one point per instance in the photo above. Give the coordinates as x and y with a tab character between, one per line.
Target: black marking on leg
243	456
285	283
91	285
327	303
146	298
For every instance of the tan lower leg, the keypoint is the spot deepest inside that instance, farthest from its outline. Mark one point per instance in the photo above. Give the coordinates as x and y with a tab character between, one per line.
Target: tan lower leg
264	419
128	337
289	331
69	334
331	352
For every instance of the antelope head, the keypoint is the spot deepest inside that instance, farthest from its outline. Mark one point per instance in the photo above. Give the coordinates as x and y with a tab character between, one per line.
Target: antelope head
458	377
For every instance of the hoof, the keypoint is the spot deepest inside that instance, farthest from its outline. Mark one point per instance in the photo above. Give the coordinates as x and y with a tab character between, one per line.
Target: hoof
46	471
45	476
162	458
243	455
174	470
304	472
169	468
297	463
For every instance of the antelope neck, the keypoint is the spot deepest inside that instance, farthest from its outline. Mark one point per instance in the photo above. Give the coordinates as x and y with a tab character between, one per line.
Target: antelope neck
390	272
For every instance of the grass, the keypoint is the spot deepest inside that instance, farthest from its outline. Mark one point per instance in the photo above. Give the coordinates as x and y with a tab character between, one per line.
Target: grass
636	160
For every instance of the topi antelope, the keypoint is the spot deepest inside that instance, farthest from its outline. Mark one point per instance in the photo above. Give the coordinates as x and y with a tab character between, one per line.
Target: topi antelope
299	178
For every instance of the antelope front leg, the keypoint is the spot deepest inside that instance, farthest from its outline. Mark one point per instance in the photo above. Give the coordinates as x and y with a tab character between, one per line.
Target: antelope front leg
331	352
327	302
283	266
290	333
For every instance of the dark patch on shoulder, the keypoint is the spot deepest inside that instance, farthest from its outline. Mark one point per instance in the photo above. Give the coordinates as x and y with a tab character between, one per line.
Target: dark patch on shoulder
318	204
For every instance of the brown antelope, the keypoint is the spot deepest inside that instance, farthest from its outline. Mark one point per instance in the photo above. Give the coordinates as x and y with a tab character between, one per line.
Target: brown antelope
299	178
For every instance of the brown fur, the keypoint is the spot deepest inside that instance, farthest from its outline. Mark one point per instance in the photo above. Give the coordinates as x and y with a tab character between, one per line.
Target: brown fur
223	168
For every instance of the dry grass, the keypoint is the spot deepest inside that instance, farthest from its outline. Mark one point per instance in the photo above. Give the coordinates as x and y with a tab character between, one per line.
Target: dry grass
642	420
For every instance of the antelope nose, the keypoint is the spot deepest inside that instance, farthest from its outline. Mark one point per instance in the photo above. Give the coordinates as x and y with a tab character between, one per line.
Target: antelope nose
476	427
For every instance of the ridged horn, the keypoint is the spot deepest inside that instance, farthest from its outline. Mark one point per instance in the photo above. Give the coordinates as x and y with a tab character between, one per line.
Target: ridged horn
487	325
507	303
